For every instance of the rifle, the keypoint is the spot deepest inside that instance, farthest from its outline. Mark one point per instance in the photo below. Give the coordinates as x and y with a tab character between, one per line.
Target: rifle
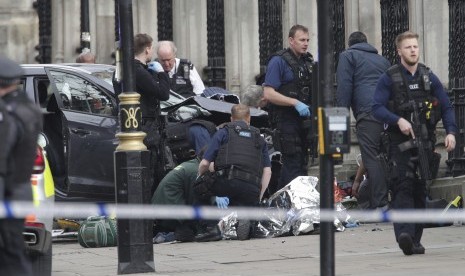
422	144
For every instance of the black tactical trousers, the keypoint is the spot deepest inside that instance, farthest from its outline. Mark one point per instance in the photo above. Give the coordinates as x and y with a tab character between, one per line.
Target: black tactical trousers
13	260
239	192
294	158
407	193
152	142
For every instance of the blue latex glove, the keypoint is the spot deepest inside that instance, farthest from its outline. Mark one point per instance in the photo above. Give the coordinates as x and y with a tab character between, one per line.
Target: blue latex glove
303	109
222	202
155	66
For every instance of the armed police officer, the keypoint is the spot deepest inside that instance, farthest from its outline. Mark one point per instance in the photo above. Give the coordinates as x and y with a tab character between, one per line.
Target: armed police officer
411	100
184	78
287	88
243	166
20	124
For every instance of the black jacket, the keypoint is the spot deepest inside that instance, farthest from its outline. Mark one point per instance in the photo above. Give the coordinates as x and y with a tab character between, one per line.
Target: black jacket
151	92
25	121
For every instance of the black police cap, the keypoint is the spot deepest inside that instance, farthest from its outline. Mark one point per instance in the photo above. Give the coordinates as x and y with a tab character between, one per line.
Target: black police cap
10	71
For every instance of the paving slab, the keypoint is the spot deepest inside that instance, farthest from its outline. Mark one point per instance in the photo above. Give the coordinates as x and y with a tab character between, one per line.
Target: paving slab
369	249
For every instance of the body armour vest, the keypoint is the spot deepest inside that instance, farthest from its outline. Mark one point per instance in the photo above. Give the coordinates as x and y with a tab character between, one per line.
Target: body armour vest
27	120
300	87
417	91
242	151
180	82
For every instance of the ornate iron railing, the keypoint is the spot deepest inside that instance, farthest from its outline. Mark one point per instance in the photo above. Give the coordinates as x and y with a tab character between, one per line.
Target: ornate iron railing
394	20
270	29
44	48
215	71
165	19
456	160
456	44
116	21
338	29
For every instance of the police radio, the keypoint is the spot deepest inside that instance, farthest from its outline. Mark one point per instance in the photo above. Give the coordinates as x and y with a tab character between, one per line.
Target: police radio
334	130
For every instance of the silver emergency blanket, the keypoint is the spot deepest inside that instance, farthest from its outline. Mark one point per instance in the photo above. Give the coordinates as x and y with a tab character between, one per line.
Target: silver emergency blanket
297	207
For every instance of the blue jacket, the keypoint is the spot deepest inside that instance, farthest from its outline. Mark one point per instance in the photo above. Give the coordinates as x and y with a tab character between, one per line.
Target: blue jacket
358	71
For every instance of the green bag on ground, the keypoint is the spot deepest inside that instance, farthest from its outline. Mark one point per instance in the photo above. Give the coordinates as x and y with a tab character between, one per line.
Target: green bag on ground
98	231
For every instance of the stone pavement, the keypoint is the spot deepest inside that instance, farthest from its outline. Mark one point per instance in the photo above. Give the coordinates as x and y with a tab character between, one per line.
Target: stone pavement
366	250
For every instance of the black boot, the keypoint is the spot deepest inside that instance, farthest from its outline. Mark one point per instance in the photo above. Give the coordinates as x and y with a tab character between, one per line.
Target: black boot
212	233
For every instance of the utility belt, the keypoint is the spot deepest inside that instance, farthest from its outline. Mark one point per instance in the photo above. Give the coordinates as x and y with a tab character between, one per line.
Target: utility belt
235	173
291	143
203	185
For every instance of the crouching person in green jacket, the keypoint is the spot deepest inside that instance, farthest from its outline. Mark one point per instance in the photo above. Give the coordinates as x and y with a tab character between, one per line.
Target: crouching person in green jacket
176	188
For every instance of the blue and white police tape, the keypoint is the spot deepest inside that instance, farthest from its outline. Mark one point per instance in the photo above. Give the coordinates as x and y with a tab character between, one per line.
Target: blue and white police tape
19	209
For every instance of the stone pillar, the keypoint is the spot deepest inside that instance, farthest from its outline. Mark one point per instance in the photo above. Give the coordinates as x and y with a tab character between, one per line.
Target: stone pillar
430	19
364	16
145	17
241	42
72	30
102	26
301	12
190	31
57	31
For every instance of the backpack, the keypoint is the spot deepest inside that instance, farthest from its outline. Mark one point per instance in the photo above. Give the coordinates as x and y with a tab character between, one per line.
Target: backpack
98	231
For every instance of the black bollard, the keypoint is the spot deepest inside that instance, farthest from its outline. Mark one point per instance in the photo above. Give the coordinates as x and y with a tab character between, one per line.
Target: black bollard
326	73
132	179
132	161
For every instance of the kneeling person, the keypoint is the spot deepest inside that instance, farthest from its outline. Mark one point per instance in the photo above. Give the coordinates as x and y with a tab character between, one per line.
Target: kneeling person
176	189
241	162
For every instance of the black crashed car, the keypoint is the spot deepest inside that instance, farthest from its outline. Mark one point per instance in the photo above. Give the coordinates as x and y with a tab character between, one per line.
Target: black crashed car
81	119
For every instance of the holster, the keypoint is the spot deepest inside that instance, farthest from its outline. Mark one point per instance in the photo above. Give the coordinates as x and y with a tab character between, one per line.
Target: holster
235	173
203	185
286	143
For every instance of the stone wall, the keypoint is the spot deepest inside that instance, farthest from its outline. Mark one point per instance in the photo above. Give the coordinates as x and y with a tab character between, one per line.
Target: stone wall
19	34
19	30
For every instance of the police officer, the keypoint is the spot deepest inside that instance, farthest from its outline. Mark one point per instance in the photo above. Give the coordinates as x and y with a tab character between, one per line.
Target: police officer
404	88
184	78
242	163
20	124
287	88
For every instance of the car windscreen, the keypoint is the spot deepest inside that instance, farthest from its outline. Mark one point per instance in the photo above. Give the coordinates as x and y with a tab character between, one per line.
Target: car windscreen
106	74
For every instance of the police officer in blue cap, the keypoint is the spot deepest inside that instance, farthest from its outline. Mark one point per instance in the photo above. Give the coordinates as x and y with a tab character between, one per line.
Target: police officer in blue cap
20	124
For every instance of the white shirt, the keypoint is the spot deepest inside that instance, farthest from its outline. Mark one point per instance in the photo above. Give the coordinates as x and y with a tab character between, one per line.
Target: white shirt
194	77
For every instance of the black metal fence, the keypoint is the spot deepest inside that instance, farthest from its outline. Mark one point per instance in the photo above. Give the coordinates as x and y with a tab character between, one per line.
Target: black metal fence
44	48
456	160
270	29
394	20
338	29
456	44
216	69
165	19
